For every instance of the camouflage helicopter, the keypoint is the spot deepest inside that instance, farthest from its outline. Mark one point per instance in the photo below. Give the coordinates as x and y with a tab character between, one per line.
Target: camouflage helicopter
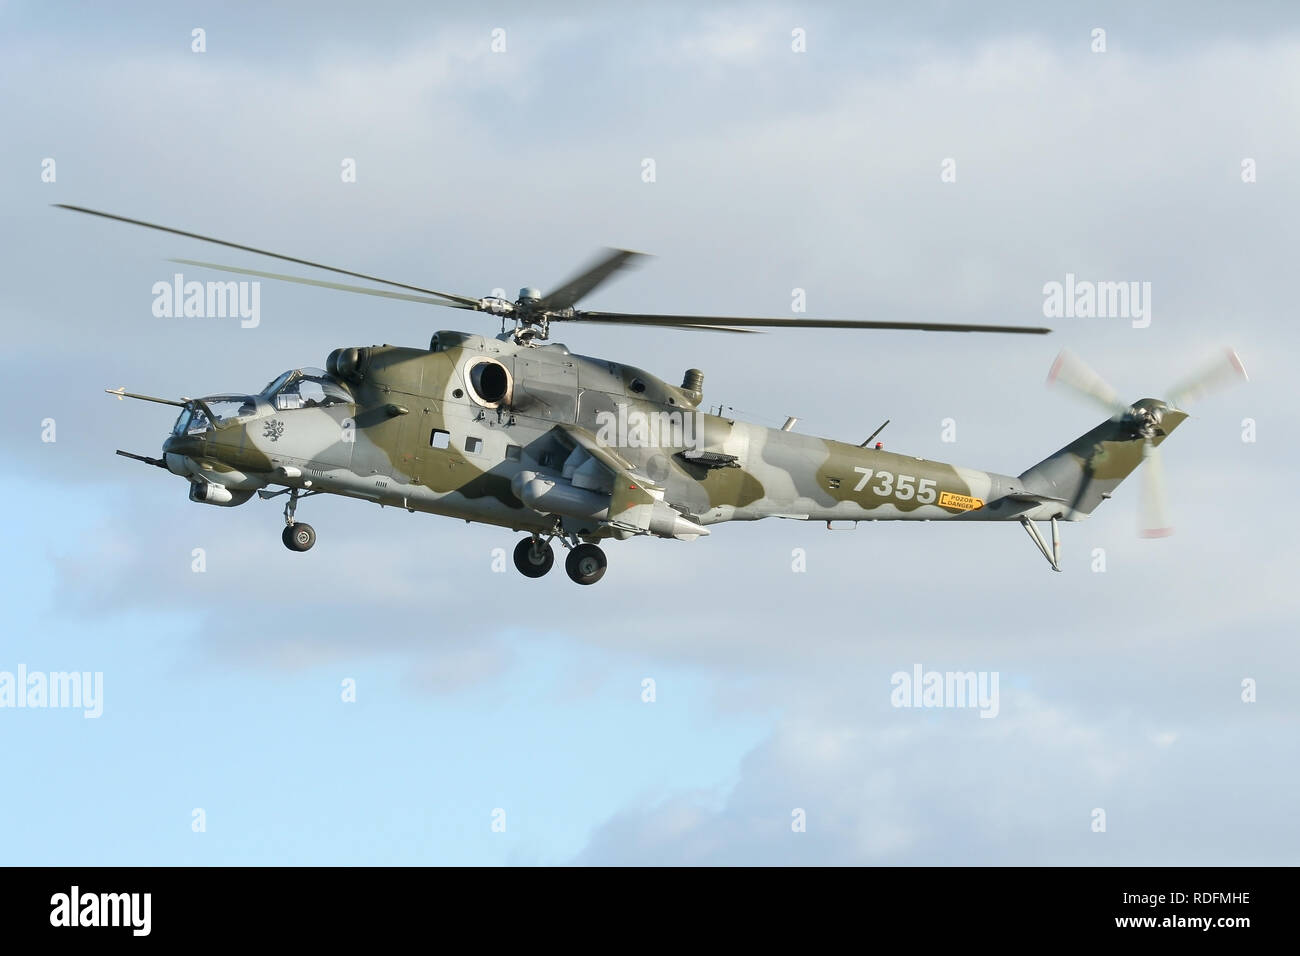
519	432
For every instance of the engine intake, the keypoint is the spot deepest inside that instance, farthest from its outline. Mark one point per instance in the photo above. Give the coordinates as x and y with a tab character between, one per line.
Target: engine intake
348	364
489	382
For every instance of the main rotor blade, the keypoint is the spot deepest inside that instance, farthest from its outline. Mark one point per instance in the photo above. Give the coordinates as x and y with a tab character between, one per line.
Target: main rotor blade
464	300
1154	508
697	321
585	282
688	327
1226	370
343	287
1074	373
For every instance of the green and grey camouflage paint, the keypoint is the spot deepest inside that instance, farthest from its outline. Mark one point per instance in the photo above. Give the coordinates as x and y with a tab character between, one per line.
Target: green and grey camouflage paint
525	443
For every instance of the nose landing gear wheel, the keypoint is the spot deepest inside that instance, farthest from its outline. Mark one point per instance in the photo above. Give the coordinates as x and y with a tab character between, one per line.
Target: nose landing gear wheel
586	564
533	558
299	536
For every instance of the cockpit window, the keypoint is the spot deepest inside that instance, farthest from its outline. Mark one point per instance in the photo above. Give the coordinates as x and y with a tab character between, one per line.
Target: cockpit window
228	408
192	421
306	388
223	408
275	383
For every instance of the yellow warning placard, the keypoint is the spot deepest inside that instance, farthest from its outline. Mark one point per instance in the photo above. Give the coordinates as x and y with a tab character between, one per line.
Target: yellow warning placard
959	502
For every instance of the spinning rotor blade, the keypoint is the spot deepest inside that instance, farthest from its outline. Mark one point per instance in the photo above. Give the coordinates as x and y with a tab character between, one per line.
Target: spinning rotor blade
1224	371
428	300
464	300
1153	520
1070	370
558	305
682	328
1074	373
584	283
718	322
1227	370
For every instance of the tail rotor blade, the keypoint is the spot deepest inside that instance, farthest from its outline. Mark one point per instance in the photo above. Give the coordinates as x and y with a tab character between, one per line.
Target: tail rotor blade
1225	371
1074	373
1154	521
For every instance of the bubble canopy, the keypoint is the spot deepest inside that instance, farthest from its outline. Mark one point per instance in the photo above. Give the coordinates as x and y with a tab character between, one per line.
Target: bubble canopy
296	388
305	388
215	410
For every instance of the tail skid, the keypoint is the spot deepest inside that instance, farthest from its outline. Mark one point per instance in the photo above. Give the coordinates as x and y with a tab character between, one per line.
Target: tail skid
1054	556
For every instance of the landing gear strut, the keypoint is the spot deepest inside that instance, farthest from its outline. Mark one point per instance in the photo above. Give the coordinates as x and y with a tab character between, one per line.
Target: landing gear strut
297	535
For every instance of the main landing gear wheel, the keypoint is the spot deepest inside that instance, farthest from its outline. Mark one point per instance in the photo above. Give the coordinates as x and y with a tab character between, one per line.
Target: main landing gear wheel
586	564
299	536
296	535
533	557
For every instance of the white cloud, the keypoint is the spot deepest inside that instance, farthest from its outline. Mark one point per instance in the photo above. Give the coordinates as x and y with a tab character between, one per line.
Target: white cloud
479	170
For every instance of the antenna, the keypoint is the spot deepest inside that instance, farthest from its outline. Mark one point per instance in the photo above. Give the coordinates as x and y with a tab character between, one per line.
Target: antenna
874	434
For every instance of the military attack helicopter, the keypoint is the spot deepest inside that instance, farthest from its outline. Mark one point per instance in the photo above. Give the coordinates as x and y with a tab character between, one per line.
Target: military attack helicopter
519	432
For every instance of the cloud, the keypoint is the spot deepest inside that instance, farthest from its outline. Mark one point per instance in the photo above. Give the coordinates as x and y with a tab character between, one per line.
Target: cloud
945	788
777	171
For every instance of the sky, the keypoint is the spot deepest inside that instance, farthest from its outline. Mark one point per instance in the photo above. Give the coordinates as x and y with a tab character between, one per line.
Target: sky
938	162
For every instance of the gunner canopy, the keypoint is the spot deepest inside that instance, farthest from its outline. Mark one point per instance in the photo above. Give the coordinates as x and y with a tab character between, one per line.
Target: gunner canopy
224	408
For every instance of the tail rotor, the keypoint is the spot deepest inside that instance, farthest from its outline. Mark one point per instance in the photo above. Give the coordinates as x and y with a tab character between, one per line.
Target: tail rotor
1145	417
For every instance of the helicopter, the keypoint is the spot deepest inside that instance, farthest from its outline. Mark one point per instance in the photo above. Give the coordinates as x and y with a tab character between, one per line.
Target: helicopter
517	431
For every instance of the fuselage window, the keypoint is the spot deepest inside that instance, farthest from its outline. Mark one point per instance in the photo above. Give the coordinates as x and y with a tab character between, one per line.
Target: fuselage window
439	438
474	445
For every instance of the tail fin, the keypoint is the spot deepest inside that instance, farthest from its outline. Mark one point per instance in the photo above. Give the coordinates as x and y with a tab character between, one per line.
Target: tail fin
1088	470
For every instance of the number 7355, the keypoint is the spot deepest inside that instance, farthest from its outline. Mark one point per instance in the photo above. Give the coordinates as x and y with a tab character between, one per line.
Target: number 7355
902	487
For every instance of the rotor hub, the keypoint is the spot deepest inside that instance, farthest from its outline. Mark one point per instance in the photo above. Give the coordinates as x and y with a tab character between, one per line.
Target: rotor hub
1146	420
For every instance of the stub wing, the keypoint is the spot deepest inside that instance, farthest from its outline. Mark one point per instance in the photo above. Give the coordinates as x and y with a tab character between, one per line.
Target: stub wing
635	503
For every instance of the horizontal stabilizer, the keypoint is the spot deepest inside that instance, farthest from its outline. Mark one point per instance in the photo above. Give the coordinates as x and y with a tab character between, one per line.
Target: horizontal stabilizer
1028	498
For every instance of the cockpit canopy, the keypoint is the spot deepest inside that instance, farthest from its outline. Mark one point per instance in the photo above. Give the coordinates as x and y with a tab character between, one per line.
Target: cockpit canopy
224	408
305	388
296	388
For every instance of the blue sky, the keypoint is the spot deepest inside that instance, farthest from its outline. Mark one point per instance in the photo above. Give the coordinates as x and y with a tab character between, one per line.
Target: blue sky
287	772
776	170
